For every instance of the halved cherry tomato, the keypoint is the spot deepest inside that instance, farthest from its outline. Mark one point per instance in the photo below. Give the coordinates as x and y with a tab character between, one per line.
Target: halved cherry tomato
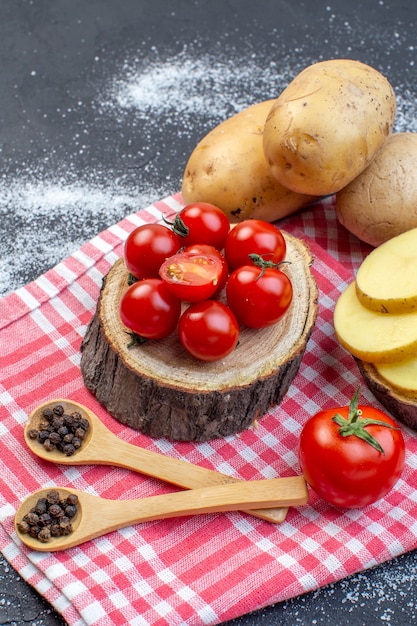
192	277
202	222
259	296
147	247
208	330
351	456
149	309
202	248
254	237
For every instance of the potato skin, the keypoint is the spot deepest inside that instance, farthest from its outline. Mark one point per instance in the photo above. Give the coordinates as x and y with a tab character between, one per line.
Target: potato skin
382	201
328	124
228	168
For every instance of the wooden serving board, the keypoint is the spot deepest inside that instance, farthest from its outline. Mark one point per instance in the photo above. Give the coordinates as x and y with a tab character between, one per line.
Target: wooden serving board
159	389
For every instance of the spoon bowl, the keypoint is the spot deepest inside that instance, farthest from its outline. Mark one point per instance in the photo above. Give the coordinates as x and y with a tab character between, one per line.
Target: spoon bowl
102	447
97	516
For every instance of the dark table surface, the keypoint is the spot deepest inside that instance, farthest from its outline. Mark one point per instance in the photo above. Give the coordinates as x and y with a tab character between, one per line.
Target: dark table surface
101	103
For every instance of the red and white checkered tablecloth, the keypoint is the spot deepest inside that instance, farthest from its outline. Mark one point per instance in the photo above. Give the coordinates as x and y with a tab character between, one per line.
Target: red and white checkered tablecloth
202	569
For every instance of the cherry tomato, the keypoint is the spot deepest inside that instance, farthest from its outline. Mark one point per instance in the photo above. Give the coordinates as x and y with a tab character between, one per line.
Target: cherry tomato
149	309
202	222
192	277
208	330
351	456
254	237
259	297
202	248
147	247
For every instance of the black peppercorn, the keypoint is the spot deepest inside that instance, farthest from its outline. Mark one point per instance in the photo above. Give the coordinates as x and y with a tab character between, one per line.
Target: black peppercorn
45	519
34	531
23	526
50	517
60	430
43	435
72	499
48	413
44	535
55	510
53	497
41	506
32	518
68	449
55	437
70	510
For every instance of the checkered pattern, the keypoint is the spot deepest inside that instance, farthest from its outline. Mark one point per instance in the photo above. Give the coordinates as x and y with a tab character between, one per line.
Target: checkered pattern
194	570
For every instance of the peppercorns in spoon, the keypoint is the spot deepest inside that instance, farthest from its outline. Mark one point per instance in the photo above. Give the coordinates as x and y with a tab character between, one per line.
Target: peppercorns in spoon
66	432
92	516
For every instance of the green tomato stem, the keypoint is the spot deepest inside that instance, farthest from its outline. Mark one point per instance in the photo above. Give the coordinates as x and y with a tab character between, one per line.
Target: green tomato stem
259	261
355	425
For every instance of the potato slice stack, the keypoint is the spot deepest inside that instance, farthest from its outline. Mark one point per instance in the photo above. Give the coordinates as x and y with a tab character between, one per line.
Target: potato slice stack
375	318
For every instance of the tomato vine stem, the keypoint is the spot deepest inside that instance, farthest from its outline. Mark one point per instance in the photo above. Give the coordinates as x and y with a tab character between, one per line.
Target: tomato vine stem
259	261
355	424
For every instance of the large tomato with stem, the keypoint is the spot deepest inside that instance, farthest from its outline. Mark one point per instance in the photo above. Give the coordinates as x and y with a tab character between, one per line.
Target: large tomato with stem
254	237
259	295
202	222
351	456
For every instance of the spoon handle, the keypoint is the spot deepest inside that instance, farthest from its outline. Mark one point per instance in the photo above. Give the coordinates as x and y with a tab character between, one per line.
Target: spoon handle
100	516
174	471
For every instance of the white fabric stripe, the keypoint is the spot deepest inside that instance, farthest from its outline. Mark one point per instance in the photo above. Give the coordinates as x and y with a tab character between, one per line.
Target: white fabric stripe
27	298
84	259
62	310
101	244
173	204
66	273
119	232
43	283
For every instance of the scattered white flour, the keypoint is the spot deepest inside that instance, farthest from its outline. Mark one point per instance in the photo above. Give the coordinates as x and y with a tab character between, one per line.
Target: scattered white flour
198	86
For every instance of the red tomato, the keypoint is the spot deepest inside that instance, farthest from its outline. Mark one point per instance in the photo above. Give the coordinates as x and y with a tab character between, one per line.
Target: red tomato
351	456
192	277
259	297
202	222
149	309
254	237
208	330
147	247
202	248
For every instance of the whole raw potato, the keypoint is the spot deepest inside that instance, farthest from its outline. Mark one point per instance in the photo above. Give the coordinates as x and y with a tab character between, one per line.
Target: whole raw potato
382	201
328	124
228	168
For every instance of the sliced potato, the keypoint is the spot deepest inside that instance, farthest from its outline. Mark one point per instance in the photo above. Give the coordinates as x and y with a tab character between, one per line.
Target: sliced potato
386	281
374	337
402	374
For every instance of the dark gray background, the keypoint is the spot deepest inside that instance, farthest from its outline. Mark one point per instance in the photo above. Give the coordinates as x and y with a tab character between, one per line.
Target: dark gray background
101	103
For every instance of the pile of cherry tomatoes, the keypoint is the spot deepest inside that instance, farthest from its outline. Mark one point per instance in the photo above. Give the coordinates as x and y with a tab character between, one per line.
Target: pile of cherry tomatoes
193	260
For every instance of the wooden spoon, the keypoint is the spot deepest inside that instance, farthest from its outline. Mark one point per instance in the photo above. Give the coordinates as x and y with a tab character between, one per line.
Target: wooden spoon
102	447
97	516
